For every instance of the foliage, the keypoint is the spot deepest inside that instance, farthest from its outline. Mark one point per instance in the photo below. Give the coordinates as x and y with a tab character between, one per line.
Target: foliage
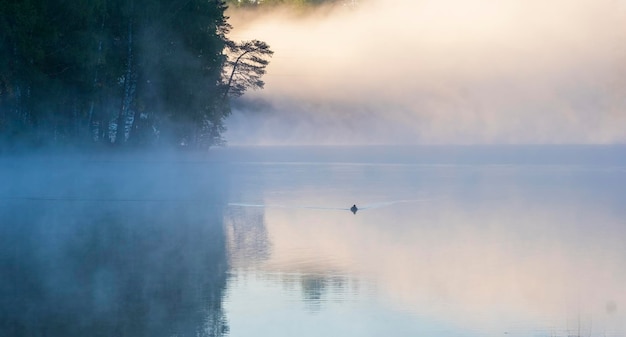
123	72
246	66
292	3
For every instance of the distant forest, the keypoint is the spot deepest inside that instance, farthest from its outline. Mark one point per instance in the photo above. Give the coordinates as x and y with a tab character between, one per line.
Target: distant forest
120	73
293	3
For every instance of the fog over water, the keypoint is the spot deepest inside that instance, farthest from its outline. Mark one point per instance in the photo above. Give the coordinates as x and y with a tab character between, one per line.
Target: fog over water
259	241
470	241
452	71
111	245
478	239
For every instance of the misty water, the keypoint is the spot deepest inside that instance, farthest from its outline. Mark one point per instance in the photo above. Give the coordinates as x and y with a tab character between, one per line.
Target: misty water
259	241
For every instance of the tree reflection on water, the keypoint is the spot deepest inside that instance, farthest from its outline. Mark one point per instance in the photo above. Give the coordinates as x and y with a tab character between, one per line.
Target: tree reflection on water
91	267
111	270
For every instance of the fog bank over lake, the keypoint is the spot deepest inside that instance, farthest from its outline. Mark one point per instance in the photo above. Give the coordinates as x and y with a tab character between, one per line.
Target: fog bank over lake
103	245
259	241
438	72
450	241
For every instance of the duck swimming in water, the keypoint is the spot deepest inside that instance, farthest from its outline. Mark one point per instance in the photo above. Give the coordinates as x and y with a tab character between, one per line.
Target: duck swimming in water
353	209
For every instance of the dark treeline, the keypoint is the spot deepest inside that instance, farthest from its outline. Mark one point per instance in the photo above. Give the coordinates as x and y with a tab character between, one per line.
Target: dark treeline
293	3
120	72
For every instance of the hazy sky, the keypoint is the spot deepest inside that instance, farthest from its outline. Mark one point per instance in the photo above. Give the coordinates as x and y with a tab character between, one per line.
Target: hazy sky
444	71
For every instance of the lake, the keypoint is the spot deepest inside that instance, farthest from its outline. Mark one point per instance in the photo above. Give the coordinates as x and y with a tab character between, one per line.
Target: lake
260	241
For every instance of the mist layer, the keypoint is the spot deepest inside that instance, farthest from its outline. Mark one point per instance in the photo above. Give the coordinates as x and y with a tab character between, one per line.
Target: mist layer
438	72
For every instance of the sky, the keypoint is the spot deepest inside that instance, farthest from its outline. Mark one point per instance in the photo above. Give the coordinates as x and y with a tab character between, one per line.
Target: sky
438	72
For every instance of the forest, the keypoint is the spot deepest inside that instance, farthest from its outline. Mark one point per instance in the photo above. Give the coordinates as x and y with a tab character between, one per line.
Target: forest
120	73
290	3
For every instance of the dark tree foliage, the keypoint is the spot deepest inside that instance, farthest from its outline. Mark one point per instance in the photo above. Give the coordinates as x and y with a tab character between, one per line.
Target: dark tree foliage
293	3
113	72
246	66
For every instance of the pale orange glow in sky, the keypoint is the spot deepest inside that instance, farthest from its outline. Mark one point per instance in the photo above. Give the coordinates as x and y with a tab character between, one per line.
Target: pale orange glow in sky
450	71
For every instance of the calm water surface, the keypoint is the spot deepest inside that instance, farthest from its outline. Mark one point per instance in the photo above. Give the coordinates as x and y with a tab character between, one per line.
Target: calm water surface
448	241
478	243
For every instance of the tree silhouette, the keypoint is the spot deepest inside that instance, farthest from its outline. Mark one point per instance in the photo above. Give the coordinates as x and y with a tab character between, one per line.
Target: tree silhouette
246	65
130	73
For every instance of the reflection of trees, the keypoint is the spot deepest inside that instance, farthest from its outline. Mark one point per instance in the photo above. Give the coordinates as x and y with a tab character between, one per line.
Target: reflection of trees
247	236
313	289
319	288
111	269
249	245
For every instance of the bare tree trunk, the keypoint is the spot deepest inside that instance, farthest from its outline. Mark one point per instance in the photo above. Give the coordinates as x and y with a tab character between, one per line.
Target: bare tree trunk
232	75
93	130
120	134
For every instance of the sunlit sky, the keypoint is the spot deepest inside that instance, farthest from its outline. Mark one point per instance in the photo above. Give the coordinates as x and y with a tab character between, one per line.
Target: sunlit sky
446	71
